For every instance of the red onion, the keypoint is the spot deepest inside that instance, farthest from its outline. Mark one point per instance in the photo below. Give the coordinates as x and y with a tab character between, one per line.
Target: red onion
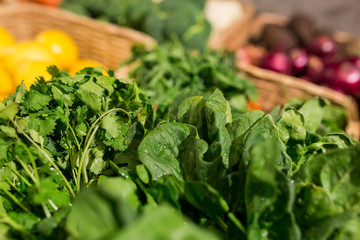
355	60
344	77
278	62
323	46
300	59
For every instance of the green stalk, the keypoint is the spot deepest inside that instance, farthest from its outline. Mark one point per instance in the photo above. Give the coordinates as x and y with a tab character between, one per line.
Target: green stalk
46	210
14	187
48	158
27	170
13	224
52	204
19	175
33	163
85	154
10	195
76	140
222	224
89	137
104	115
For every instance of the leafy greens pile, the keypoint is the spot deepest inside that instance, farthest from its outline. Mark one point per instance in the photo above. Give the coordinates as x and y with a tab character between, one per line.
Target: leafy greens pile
171	72
56	138
85	157
169	19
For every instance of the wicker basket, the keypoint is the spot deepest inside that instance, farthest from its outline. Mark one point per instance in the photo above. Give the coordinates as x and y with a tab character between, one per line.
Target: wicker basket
106	43
238	37
277	89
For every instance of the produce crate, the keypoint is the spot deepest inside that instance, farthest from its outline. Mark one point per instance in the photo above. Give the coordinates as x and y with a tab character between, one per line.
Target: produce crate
103	42
275	88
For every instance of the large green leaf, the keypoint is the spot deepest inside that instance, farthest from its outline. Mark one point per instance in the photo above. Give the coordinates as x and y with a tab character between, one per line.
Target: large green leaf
99	212
163	222
322	194
159	151
206	199
313	111
269	195
218	114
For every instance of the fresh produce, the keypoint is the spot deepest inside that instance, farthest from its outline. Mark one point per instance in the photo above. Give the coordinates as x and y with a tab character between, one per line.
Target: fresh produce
25	61
302	49
61	45
6	83
344	76
27	51
170	72
6	39
83	63
278	62
57	138
164	20
85	157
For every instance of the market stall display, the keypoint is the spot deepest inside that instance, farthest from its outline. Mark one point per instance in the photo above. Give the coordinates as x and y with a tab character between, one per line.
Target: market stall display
278	88
166	140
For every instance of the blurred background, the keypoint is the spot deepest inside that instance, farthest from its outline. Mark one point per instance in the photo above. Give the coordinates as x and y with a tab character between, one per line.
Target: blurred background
339	14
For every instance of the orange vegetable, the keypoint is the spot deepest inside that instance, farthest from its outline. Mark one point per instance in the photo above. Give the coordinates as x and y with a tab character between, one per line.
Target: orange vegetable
254	105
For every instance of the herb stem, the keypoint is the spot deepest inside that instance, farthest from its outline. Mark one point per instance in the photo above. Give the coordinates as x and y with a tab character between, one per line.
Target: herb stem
222	224
19	175
104	115
48	158
76	140
27	170
10	195
14	187
46	210
89	137
85	154
13	224
53	205
33	163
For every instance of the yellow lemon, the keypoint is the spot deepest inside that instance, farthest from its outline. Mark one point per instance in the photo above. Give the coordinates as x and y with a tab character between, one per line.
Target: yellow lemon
7	85
30	70
6	39
61	45
27	51
84	63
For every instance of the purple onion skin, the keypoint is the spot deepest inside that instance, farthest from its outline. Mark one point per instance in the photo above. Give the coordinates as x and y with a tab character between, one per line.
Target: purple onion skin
300	59
343	77
323	46
277	61
355	60
315	69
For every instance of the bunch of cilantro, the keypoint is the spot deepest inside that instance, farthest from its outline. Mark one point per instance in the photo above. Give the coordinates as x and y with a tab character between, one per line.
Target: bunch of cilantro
58	137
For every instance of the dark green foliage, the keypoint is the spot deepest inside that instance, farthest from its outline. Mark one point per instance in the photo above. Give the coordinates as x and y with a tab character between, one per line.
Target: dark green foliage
183	20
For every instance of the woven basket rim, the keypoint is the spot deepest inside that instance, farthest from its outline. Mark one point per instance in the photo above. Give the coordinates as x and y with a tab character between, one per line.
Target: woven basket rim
26	7
347	102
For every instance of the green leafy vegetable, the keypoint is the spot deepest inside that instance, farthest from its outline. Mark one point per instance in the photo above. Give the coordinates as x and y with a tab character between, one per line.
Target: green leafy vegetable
165	20
171	73
88	157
